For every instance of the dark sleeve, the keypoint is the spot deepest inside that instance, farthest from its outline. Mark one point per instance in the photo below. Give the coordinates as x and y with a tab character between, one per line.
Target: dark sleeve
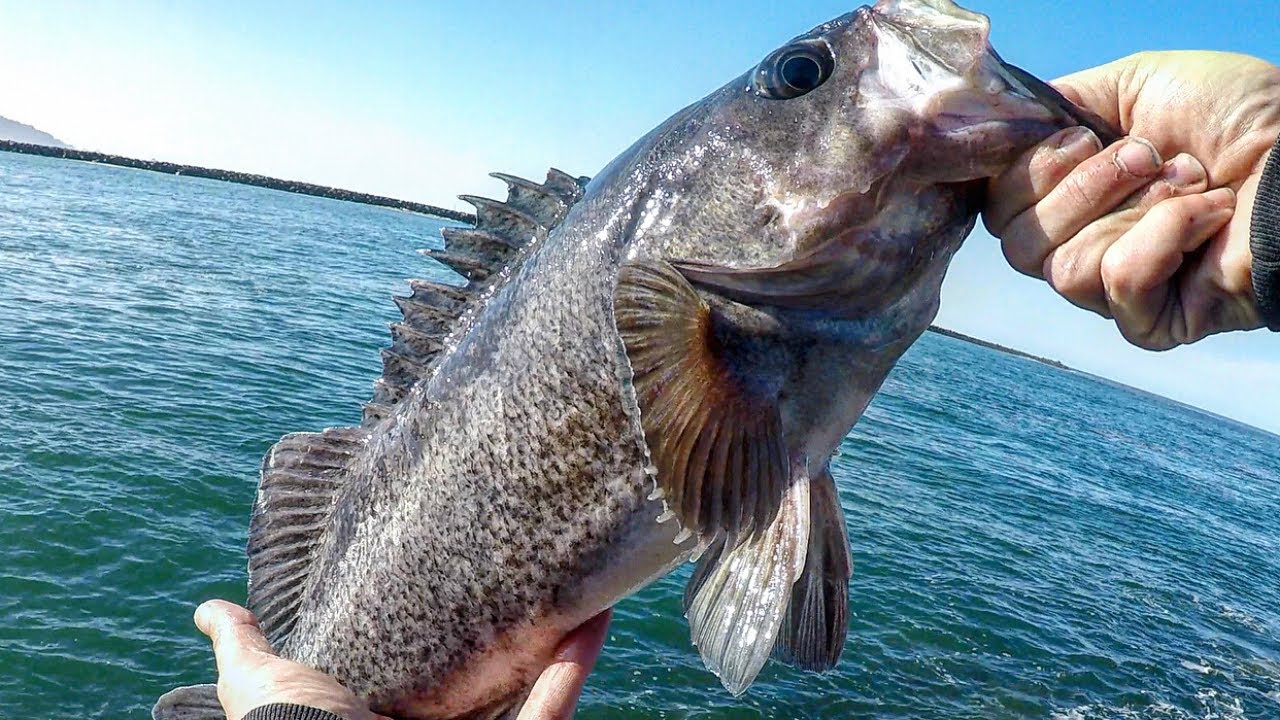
286	711
1264	242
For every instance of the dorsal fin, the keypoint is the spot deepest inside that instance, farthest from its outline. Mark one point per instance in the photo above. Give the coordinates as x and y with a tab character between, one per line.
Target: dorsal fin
502	232
300	476
509	221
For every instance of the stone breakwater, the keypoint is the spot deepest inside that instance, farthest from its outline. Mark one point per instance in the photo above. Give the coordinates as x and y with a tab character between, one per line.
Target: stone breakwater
292	186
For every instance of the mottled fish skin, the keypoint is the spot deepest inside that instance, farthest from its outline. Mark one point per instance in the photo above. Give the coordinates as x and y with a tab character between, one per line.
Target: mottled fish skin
498	498
511	495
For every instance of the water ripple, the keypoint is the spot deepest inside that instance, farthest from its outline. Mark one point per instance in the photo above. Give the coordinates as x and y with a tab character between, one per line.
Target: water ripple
1028	542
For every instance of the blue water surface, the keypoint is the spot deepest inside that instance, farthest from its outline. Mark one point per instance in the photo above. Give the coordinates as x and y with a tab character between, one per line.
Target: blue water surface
1028	542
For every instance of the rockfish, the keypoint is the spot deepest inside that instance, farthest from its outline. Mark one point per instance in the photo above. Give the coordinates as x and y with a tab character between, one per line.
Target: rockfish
647	368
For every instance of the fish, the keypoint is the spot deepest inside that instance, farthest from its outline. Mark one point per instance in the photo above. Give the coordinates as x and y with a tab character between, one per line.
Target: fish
648	367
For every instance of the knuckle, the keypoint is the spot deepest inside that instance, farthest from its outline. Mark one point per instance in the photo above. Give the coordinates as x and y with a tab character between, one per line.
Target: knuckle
1155	343
1117	275
1075	287
1068	273
1142	57
1077	190
1148	338
1020	257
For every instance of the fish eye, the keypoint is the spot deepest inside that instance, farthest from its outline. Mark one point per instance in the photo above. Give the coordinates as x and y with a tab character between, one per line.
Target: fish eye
794	70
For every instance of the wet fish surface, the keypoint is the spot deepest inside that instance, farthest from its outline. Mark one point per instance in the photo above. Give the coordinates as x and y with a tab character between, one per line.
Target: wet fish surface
647	368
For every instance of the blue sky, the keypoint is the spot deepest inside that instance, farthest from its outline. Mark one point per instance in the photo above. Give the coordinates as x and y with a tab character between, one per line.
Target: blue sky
422	99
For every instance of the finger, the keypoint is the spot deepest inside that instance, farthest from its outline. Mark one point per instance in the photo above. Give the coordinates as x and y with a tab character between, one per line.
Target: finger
1183	175
1034	174
583	645
1090	191
555	694
233	631
1074	269
1138	268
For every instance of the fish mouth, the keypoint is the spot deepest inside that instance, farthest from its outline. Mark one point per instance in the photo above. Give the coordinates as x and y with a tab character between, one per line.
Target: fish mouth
1005	110
1028	87
1009	96
934	61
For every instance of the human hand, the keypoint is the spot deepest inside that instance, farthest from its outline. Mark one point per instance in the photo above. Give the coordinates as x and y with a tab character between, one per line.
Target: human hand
1160	246
555	694
250	674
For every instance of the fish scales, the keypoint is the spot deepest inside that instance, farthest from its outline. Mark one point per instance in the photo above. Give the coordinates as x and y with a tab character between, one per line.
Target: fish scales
529	473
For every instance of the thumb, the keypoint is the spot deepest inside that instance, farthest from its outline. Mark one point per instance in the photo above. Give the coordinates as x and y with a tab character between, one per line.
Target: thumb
234	632
555	695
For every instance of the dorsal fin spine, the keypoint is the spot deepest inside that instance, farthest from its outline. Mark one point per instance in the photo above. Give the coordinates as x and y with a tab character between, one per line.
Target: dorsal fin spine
511	220
477	238
543	204
516	181
503	233
439	293
472	267
424	316
566	186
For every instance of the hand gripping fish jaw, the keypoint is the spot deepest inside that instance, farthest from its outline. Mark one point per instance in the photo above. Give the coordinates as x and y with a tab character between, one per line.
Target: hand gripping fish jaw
868	140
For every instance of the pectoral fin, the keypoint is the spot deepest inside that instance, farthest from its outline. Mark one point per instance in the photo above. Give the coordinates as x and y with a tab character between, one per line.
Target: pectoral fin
710	419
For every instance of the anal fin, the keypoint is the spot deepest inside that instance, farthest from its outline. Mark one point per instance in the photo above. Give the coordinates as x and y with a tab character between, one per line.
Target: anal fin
817	620
192	702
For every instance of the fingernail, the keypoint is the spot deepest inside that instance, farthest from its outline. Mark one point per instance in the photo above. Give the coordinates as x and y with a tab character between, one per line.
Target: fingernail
1079	141
1137	157
1221	198
1183	171
204	617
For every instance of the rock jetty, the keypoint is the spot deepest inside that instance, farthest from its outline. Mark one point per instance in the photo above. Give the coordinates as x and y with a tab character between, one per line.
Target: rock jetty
292	186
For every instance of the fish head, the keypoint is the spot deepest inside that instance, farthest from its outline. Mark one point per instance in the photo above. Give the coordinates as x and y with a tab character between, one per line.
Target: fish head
849	162
814	204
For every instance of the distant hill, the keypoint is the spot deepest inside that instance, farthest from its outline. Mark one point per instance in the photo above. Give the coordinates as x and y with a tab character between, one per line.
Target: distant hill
16	131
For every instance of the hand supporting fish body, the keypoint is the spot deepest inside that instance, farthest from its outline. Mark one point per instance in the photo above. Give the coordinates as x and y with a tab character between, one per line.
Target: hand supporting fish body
654	367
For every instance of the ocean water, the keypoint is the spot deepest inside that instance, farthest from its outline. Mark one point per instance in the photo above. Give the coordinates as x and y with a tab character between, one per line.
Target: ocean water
1028	542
